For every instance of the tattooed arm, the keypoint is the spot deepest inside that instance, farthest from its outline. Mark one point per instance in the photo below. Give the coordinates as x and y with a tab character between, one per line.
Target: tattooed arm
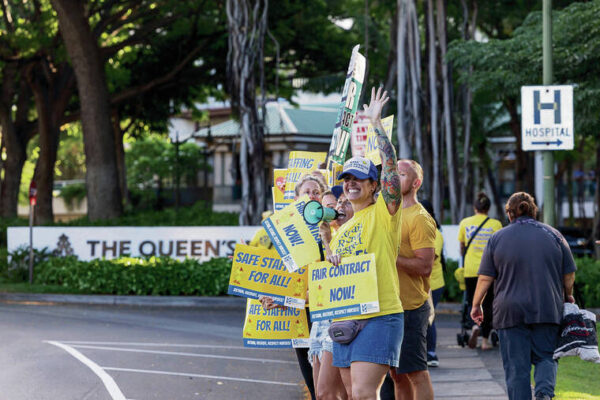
390	180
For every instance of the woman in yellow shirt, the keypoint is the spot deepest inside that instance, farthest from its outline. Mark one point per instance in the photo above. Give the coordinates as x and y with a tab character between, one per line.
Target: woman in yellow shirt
477	230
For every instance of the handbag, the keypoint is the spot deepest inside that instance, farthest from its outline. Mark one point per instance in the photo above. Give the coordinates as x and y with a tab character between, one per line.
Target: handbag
344	332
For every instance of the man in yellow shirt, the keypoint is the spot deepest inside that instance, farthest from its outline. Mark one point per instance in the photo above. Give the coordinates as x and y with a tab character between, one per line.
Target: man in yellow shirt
414	264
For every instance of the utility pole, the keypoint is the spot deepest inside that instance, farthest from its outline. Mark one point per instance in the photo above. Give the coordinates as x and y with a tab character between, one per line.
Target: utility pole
549	204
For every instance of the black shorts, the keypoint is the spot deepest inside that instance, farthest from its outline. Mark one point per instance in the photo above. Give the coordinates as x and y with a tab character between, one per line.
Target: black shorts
413	356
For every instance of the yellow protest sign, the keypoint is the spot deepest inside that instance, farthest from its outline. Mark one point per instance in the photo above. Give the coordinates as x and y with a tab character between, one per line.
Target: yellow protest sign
279	176
299	164
294	240
342	291
279	327
372	151
333	172
256	271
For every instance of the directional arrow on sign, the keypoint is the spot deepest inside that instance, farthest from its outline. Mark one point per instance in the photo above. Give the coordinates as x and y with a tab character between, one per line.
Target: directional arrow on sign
557	142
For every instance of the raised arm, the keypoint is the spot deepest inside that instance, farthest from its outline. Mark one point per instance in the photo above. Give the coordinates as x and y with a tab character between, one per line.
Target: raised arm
390	179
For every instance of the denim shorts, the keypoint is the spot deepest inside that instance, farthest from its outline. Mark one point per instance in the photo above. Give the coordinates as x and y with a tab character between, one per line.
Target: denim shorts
319	340
379	342
413	356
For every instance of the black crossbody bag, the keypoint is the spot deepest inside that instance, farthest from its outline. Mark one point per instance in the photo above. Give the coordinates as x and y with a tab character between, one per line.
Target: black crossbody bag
473	237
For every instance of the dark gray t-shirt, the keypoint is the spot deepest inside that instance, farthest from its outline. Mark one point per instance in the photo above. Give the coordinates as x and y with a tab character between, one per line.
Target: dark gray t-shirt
528	260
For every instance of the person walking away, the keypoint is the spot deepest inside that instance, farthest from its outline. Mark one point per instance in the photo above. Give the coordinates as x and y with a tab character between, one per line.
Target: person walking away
414	264
533	272
436	283
473	234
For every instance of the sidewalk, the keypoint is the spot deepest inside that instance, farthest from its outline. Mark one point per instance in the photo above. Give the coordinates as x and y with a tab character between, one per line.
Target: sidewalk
464	373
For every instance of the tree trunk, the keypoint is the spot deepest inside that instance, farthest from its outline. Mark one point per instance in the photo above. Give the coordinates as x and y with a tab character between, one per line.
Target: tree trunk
415	77
247	30
448	131
52	91
521	159
433	107
392	64
469	25
102	182
403	143
15	137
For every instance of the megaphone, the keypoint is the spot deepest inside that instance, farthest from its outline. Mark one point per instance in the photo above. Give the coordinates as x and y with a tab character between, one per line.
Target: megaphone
314	212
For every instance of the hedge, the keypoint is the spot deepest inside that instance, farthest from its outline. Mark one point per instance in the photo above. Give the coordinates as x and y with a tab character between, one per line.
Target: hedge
135	276
587	282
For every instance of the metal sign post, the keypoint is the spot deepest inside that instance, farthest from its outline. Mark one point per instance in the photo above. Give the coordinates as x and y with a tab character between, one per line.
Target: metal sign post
32	203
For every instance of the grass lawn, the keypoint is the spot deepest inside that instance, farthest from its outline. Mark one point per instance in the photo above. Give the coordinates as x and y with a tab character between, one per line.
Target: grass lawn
577	379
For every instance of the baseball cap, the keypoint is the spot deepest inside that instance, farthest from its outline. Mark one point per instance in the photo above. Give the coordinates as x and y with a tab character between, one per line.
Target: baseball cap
359	167
337	191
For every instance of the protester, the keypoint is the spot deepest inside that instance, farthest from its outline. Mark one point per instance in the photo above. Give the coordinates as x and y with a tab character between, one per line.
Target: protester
414	264
329	199
473	234
327	378
533	272
314	188
374	229
436	283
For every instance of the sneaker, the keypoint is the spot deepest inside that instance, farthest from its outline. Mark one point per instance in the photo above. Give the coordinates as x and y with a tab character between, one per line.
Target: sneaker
432	361
473	338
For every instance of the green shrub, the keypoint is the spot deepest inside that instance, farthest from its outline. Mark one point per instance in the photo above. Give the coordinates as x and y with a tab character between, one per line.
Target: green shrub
73	194
199	214
17	269
587	280
136	276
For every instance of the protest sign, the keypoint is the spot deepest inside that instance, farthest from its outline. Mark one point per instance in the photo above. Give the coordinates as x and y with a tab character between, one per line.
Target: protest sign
358	141
279	176
372	150
279	327
348	106
342	291
333	173
299	164
256	271
294	240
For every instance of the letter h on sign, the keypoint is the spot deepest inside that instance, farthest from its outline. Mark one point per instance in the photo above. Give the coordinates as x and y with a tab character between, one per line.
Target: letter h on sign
538	106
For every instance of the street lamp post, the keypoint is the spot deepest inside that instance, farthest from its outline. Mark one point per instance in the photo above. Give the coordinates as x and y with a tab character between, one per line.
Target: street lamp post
548	156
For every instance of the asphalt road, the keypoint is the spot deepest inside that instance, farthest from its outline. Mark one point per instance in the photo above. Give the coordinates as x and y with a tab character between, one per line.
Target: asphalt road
94	352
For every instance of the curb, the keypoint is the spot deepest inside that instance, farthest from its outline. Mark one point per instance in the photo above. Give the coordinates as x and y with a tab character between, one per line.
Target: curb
223	303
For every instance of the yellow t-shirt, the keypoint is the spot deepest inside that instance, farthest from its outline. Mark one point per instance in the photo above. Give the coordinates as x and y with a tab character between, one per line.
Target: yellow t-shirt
261	239
436	280
418	232
467	227
374	230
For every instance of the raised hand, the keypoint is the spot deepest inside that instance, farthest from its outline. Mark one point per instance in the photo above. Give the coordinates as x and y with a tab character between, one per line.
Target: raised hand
378	100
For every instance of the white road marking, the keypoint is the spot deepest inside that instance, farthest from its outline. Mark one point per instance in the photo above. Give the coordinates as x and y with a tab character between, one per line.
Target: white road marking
109	383
176	353
200	346
225	378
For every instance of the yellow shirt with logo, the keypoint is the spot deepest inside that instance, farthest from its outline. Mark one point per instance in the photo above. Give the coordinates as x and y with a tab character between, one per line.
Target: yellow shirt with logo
374	230
436	279
466	229
261	239
418	232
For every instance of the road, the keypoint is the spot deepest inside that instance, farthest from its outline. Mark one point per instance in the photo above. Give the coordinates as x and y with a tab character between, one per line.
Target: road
136	353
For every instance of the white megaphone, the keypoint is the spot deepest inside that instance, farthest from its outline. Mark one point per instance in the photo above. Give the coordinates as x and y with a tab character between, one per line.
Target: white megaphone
314	212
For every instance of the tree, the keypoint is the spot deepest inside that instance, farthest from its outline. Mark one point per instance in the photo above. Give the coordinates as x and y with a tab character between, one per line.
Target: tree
102	185
247	27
